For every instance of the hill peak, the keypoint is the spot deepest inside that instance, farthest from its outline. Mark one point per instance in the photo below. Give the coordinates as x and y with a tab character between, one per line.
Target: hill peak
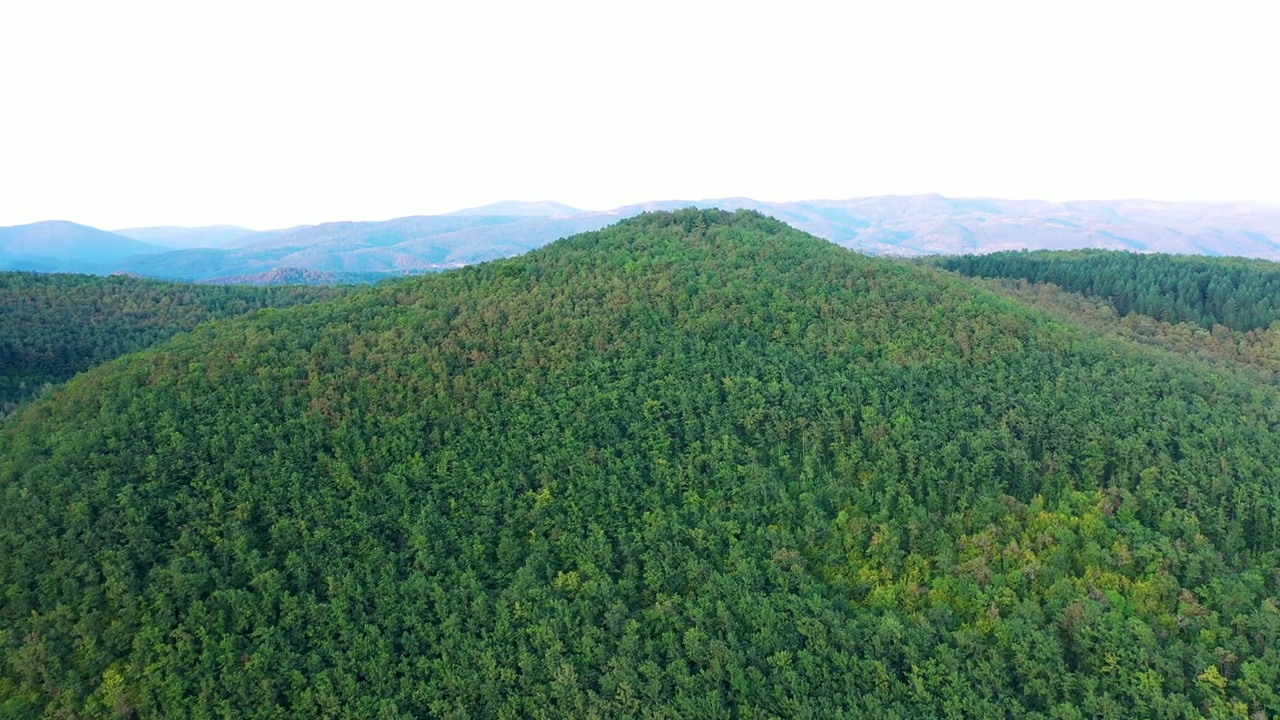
56	242
51	227
678	233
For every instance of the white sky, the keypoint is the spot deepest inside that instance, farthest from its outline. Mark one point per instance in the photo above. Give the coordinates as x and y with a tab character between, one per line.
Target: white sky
269	114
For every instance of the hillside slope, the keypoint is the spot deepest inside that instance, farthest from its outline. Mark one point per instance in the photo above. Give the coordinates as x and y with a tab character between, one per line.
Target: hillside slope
1239	293
54	326
693	465
1253	352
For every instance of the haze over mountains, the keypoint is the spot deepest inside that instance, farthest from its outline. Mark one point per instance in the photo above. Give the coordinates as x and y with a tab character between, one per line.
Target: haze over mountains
59	245
887	225
185	238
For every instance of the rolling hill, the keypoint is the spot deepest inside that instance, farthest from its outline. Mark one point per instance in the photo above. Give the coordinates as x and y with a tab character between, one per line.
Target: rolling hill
696	464
57	245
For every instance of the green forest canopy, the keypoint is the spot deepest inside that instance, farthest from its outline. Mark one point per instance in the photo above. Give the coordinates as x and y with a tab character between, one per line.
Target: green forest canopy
53	326
697	464
1242	294
1254	352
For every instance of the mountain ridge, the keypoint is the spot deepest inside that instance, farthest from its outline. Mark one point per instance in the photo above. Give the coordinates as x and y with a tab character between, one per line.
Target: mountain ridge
518	208
884	225
209	236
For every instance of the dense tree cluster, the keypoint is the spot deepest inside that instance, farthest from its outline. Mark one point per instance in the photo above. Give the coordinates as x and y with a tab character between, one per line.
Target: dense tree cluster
693	465
1238	293
54	326
1256	352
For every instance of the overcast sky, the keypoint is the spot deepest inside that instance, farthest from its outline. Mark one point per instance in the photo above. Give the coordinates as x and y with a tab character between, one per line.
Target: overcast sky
270	114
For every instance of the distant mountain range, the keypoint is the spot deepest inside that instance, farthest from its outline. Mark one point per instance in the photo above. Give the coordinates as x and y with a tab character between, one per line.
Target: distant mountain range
888	225
522	209
213	236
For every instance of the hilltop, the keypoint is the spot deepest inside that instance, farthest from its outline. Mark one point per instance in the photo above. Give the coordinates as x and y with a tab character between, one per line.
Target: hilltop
694	464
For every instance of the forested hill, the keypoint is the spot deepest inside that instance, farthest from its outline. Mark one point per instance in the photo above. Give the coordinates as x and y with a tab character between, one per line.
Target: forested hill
693	465
54	326
1241	294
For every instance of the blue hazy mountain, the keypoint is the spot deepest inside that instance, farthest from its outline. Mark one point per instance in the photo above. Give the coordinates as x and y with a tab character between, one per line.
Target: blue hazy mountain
410	244
58	245
908	225
932	224
212	236
518	208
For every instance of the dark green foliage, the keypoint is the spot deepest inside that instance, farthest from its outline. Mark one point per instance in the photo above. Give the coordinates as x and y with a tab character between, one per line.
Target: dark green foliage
1239	293
54	326
694	465
1254	352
